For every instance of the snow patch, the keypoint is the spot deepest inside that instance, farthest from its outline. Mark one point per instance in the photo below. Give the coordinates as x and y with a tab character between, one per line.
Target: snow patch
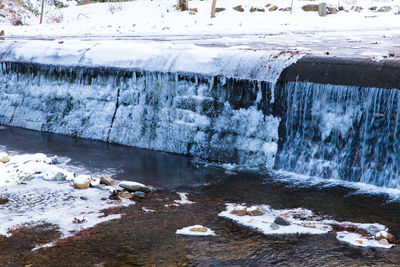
188	231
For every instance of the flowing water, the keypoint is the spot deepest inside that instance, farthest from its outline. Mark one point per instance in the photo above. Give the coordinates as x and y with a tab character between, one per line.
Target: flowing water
140	238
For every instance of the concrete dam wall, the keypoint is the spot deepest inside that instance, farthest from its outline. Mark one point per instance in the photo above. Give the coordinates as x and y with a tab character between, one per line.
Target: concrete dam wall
327	117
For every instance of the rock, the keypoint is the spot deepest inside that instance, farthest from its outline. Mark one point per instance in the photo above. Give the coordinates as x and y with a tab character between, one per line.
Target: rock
192	13
260	10
285	9
268	5
54	160
273	8
253	9
59	177
384	9
107	180
79	220
332	10
384	235
134	186
274	226
310	8
255	212
373	8
238	8
139	194
383	241
309	225
281	221
358	9
5	159
94	182
284	216
82	182
125	194
219	9
84	198
359	242
198	229
2	33
3	201
239	212
194	10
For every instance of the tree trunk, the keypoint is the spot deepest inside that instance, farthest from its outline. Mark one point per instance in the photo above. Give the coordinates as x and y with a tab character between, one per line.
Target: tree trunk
41	13
213	5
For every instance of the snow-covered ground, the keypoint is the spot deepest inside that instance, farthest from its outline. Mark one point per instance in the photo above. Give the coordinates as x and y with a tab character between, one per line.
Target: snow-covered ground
160	17
36	189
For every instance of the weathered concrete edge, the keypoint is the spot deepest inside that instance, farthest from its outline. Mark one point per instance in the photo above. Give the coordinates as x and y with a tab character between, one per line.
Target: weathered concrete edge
360	72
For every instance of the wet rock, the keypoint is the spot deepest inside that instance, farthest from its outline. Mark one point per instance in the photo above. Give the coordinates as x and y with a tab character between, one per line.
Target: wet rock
310	7
273	8
384	9
94	182
384	235
125	194
84	198
281	221
134	186
114	195
198	229
146	210
274	226
139	194
54	161
238	8
82	182
219	9
309	225
285	9
58	177
332	10
383	241
3	201
255	212
107	180
5	159
79	220
239	212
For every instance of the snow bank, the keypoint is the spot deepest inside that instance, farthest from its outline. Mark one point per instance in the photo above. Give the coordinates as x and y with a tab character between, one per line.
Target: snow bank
160	17
38	192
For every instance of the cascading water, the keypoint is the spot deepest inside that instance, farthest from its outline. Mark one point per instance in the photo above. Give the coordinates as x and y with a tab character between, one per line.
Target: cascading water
342	132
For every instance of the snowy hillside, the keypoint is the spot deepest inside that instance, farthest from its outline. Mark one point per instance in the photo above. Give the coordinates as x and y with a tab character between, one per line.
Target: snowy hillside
145	17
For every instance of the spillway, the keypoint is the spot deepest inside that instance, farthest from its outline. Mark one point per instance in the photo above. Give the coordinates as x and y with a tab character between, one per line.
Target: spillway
326	117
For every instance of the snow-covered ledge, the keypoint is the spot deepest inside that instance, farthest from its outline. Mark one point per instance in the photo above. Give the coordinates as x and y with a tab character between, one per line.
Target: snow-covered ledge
211	102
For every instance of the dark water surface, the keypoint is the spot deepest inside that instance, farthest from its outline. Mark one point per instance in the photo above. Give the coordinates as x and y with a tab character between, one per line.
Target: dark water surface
140	238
